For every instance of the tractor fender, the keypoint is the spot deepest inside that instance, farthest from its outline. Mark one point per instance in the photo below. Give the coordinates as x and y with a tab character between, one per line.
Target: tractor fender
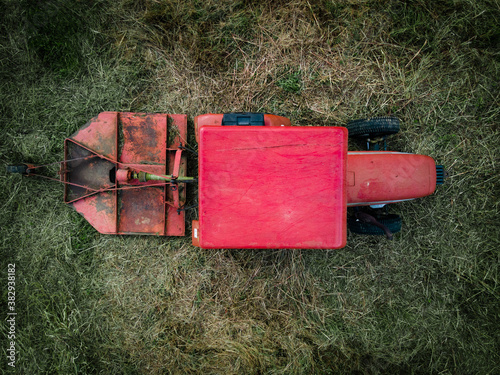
215	119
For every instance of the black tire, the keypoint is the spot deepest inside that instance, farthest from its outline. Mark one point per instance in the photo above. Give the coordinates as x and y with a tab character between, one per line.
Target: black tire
393	222
20	169
373	127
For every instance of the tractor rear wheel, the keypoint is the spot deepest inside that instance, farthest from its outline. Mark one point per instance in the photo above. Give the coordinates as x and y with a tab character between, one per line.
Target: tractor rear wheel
391	221
373	127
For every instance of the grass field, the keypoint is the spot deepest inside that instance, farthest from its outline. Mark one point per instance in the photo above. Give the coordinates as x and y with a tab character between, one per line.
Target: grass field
425	303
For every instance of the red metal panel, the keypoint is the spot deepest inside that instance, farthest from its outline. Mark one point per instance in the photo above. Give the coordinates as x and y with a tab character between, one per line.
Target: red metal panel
274	120
144	138
272	187
203	120
216	119
141	211
384	176
127	141
177	163
177	130
100	211
175	223
99	134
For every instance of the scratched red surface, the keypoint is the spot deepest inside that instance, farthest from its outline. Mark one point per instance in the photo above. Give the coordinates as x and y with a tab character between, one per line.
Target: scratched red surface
385	176
99	134
272	187
100	211
139	142
216	120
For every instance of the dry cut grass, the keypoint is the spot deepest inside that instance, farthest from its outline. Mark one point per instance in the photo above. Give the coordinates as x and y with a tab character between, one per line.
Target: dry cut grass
426	302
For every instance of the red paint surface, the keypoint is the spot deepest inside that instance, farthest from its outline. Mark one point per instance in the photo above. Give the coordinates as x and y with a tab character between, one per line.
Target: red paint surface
128	141
100	211
99	134
216	120
272	187
382	176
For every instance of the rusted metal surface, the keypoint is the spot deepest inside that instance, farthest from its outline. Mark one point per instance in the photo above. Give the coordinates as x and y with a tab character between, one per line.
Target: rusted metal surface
86	175
177	135
100	211
141	210
100	134
144	139
100	159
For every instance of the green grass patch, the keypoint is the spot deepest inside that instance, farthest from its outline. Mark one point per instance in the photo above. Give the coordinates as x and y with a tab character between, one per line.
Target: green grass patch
291	81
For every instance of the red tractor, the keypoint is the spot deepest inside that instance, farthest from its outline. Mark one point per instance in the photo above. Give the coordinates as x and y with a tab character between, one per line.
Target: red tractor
262	183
